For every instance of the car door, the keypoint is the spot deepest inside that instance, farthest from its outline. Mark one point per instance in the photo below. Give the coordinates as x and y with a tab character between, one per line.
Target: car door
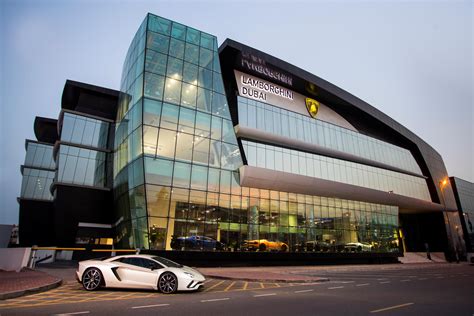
135	272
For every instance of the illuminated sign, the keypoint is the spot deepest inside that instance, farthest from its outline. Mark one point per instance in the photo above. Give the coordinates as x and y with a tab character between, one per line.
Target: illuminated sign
312	106
259	89
258	65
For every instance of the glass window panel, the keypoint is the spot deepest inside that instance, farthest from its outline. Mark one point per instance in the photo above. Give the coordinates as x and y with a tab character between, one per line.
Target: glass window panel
184	148
177	48
225	181
159	24
154	85
190	73
228	132
216	128
152	112
169	116
218	84
155	62
205	78
219	105
178	31
166	143
186	120
203	124
158	42
158	171
204	99
188	96
230	158
191	53
215	153
213	179
172	90
207	41
199	177
193	36
150	137
182	174
174	69
205	58
201	150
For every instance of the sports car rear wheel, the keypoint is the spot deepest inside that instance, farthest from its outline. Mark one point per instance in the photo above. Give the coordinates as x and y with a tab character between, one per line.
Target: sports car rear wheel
168	283
92	279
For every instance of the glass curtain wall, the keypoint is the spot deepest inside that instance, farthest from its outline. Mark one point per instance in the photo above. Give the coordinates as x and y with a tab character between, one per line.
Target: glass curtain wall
176	161
38	172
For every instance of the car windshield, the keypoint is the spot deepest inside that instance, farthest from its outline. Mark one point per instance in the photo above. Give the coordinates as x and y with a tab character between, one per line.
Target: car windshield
168	263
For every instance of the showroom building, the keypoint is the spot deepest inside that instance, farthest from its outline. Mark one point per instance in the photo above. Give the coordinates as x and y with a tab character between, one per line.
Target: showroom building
229	149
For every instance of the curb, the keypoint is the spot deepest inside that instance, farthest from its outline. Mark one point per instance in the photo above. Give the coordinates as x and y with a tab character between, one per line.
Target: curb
30	291
319	280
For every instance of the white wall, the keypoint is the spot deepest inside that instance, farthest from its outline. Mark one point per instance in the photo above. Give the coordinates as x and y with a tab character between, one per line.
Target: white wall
13	259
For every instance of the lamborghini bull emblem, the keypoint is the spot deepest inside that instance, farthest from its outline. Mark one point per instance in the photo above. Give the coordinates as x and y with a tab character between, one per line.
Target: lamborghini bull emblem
312	106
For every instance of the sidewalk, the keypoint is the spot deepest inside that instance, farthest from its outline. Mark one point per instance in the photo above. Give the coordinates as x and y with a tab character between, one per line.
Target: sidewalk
261	274
14	284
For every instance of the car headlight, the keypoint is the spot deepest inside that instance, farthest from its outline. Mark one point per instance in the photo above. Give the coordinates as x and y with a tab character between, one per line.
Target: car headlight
189	275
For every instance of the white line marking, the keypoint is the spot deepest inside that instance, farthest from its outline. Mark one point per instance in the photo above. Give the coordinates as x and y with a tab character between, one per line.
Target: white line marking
335	287
76	313
215	300
304	291
363	284
384	282
269	294
422	279
440	277
391	307
382	279
405	280
148	306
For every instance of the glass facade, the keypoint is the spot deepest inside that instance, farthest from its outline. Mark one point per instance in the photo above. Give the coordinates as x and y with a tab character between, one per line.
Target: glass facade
465	194
82	155
281	122
81	166
176	161
312	165
86	131
38	172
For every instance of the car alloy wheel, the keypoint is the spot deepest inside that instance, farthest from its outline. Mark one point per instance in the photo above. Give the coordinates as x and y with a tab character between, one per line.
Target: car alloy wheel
168	283
92	279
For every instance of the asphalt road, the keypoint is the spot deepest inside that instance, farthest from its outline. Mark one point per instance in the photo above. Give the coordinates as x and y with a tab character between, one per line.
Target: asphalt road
433	290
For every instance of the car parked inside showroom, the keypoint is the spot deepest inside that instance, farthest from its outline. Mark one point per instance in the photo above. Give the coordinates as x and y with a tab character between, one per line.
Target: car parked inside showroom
138	272
264	245
358	247
196	243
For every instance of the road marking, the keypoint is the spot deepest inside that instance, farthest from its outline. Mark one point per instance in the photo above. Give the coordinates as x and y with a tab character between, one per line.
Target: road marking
363	284
76	313
384	282
215	300
269	294
215	285
422	279
391	307
335	287
148	306
227	288
440	277
382	279
405	280
245	285
304	291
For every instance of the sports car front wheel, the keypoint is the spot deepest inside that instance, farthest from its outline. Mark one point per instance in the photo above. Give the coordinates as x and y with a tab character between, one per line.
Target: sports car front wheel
92	279
168	283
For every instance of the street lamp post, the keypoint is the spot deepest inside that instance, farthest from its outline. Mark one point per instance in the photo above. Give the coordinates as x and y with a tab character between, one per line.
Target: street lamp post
442	185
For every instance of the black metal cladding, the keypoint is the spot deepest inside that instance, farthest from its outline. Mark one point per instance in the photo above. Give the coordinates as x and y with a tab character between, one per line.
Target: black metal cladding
364	117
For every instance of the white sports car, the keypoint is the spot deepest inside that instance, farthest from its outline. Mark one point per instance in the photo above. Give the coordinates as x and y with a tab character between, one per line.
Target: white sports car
138	272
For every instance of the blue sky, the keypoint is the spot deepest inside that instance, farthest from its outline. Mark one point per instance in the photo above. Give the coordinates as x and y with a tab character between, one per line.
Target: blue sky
411	60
